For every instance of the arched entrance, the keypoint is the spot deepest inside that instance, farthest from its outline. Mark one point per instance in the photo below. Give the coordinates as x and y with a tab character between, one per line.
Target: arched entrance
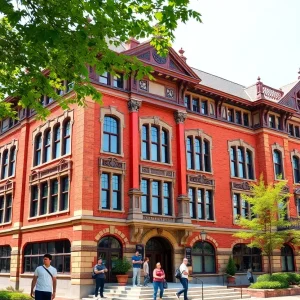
109	249
159	249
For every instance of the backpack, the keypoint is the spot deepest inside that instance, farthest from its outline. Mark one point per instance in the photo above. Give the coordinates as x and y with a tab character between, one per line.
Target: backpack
94	275
178	274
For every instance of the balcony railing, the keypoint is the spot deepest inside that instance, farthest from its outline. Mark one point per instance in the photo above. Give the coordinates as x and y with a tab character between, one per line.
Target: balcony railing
295	224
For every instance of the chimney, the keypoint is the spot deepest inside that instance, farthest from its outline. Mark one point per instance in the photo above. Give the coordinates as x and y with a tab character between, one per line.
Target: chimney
181	52
132	43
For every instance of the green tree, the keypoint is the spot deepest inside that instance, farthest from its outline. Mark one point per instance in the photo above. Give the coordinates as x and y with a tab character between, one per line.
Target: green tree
268	207
61	38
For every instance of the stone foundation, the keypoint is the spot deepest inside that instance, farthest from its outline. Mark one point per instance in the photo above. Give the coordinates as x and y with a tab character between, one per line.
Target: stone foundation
267	293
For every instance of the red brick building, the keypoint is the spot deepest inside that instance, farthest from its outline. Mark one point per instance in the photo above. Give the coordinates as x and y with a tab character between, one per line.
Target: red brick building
157	165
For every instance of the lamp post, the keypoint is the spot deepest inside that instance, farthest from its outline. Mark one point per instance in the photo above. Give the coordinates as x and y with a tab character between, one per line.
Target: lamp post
203	235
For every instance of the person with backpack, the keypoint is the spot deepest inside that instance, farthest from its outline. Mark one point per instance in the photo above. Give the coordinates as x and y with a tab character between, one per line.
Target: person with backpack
99	271
184	271
158	281
44	280
250	276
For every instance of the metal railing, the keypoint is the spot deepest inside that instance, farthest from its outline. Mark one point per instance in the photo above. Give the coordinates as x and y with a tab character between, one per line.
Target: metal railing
197	278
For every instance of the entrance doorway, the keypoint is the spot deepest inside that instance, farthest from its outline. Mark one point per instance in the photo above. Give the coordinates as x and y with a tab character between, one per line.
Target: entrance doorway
109	249
159	249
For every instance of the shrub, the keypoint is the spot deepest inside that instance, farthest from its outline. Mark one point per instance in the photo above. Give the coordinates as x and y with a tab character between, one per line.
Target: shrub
121	266
7	295
269	285
230	268
283	278
293	278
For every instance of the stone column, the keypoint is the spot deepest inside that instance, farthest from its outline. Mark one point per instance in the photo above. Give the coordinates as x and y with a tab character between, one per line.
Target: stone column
15	260
135	211
183	200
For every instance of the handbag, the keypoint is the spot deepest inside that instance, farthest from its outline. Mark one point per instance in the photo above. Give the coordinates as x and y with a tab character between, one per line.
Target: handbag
165	284
178	274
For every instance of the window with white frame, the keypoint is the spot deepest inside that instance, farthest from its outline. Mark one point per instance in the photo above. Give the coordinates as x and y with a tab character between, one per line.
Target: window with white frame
8	156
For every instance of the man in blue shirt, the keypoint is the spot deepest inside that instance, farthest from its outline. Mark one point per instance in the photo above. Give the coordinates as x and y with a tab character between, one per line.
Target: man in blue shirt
99	270
136	268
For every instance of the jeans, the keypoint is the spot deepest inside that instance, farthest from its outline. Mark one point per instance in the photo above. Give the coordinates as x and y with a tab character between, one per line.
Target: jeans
136	276
185	285
156	285
39	295
99	284
146	279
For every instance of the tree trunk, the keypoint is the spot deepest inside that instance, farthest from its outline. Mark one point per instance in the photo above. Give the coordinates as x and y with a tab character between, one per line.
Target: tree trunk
270	263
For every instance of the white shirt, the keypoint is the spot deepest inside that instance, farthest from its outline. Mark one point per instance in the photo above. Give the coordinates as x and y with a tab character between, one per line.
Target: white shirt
184	268
44	280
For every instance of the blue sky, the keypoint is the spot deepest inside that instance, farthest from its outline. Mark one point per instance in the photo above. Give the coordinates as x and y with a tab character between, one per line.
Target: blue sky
241	39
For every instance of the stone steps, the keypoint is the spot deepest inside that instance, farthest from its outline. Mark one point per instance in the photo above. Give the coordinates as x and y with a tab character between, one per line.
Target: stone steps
194	293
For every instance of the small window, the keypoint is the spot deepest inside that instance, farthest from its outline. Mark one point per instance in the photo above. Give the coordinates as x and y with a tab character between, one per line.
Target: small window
104	78
12	161
44	198
278	164
4	171
204	107
5	257
53	196
47	146
238	117
57	146
111	192
196	105
111	135
230	115
64	203
119	81
38	149
5	208
241	207
272	123
34	201
201	204
67	137
187	101
246	119
297	132
291	129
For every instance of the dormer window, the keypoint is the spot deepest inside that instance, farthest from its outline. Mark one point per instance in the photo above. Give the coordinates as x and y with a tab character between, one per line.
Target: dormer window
272	123
200	105
118	81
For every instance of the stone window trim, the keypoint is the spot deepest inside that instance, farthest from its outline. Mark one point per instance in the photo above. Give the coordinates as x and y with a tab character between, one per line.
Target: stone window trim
234	109
37	177
205	188
246	146
201	98
293	153
279	148
50	125
199	133
111	111
172	194
14	144
156	121
5	189
112	171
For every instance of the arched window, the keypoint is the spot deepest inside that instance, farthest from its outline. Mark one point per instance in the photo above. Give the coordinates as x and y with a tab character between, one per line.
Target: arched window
60	251
47	146
277	164
287	259
12	161
109	242
5	253
66	137
38	149
203	258
4	172
296	168
198	154
155	143
241	162
56	136
111	135
245	258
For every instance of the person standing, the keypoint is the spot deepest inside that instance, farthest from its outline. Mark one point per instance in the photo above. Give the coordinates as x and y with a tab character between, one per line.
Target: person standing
184	279
158	281
136	268
99	270
250	276
44	280
146	271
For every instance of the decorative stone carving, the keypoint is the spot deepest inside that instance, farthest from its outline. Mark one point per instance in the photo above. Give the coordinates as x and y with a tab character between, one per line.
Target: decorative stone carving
112	162
200	179
136	233
158	218
157	172
285	189
297	191
180	116
159	231
183	236
159	59
134	105
143	85
243	186
8	185
170	93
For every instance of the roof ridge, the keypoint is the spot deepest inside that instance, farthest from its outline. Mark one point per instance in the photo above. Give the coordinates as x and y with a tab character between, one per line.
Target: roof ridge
220	77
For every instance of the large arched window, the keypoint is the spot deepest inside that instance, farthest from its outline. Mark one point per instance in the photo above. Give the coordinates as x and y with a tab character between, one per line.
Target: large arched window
47	146
37	149
111	135
5	253
12	161
287	259
66	137
245	258
60	251
198	154
155	143
56	136
296	168
203	258
277	157
241	162
4	171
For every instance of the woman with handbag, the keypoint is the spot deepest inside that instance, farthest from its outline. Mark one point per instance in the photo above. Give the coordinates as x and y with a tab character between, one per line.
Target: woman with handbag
158	281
